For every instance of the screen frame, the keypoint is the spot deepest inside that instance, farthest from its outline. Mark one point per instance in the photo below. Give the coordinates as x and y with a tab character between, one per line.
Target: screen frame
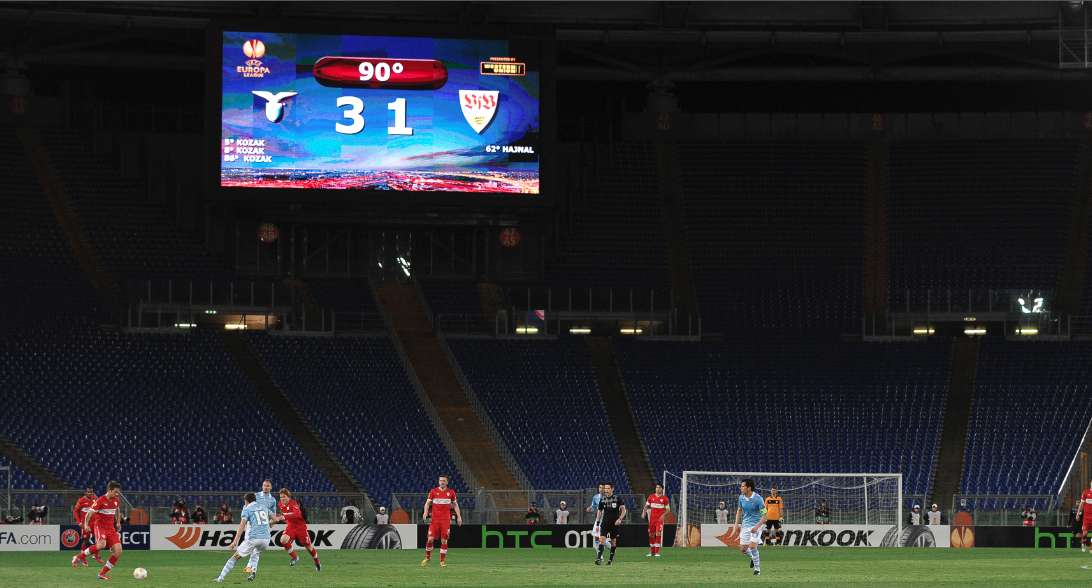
427	201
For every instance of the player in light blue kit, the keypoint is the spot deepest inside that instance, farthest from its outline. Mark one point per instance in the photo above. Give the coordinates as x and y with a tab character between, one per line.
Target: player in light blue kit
255	519
595	508
266	500
753	510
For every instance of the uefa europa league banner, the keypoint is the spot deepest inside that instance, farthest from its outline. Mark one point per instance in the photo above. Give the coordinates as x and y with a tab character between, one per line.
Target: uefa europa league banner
198	537
840	536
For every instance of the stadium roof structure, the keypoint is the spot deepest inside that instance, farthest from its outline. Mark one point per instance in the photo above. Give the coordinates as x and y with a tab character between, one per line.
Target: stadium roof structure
708	41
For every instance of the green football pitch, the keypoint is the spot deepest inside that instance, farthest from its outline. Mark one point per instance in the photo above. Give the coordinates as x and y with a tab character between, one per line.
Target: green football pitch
565	567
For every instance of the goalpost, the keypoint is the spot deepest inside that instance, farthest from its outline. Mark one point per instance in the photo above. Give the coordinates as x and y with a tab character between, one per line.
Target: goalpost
863	499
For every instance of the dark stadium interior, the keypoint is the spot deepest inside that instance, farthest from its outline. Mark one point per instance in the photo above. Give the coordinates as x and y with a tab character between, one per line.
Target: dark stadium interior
857	233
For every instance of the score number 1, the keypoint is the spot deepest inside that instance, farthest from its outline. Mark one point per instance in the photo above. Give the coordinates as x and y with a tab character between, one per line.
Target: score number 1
355	114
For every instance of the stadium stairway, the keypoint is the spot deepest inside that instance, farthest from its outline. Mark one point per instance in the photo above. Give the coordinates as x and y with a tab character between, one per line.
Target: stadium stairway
250	364
957	415
31	466
105	284
1073	279
877	271
678	248
620	415
427	363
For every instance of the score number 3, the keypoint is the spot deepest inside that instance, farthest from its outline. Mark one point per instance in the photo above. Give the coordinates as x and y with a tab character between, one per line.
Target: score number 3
355	114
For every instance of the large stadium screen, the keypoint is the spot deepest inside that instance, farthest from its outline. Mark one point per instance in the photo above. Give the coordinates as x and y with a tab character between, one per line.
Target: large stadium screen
378	113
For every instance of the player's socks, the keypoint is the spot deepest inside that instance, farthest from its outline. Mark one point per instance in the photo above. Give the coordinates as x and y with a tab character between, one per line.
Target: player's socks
227	567
92	550
110	563
252	564
599	553
443	553
613	547
755	559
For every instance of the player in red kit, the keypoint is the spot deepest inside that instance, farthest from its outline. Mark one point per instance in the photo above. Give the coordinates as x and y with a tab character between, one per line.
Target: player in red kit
442	499
1086	516
79	512
295	532
656	506
104	521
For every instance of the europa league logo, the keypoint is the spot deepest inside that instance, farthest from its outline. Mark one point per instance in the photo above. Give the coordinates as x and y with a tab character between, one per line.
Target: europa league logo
962	537
254	49
963	529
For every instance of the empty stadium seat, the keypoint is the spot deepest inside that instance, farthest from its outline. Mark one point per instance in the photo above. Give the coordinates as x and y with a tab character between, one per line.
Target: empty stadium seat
978	215
155	412
851	407
775	235
543	399
41	278
617	233
1032	404
356	394
132	235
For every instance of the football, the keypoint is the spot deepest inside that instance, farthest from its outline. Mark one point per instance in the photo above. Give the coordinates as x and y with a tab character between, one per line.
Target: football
140	573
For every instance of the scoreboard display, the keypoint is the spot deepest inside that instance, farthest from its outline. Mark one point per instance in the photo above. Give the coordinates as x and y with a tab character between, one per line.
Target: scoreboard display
347	112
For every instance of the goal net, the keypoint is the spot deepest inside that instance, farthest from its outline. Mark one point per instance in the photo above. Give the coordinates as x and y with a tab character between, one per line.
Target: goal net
861	500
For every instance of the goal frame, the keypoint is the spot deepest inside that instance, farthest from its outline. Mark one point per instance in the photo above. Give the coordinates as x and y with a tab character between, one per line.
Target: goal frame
684	526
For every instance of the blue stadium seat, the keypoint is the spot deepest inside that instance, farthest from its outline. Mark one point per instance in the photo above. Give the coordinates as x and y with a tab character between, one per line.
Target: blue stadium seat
156	412
1032	404
775	235
978	215
851	407
543	398
355	393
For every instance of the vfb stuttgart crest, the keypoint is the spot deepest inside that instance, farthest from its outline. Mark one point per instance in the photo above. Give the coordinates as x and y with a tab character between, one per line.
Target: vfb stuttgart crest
479	107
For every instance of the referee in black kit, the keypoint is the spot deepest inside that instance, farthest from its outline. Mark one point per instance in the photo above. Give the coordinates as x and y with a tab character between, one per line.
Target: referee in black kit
609	517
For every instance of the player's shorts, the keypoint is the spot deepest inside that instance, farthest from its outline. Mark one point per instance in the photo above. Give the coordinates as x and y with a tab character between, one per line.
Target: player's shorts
297	534
773	525
609	529
746	536
656	526
440	529
1087	525
249	546
107	533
